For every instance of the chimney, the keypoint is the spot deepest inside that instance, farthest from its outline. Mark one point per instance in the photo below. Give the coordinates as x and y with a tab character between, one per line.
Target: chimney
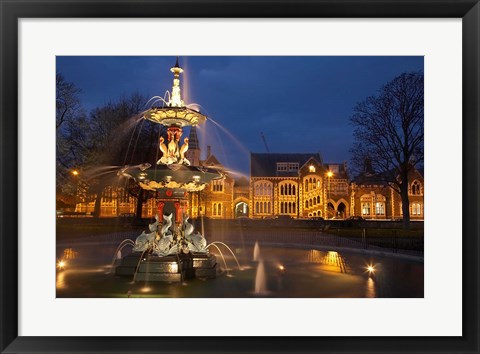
209	151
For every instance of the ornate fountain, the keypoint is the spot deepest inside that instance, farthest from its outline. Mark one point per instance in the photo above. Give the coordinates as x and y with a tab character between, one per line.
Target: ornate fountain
171	250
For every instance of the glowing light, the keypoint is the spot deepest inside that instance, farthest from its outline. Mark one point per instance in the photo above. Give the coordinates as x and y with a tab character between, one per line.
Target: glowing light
329	174
176	99
281	267
311	168
75	172
370	269
145	289
196	179
61	265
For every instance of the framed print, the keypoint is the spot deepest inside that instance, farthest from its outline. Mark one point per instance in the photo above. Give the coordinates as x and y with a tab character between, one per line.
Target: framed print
239	177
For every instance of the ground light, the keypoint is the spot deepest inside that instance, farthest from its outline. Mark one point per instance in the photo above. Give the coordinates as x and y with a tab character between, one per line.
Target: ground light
370	269
61	265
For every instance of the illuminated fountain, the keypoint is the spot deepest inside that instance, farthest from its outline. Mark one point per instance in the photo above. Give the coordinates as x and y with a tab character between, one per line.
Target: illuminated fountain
171	250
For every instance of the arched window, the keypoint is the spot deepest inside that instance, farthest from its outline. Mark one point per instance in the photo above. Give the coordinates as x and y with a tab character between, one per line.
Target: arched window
294	206
281	208
289	189
269	208
306	185
293	190
314	183
415	189
306	204
318	199
416	209
256	208
289	207
314	201
282	190
264	207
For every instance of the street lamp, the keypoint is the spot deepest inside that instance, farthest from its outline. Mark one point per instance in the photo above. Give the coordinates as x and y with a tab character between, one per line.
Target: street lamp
329	175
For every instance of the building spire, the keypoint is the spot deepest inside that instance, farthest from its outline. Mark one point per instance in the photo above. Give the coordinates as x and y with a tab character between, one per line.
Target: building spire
176	97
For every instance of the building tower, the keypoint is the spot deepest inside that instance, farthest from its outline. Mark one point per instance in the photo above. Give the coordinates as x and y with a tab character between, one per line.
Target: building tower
193	153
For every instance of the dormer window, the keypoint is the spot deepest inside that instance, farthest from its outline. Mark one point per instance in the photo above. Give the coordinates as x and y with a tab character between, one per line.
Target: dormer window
287	166
311	168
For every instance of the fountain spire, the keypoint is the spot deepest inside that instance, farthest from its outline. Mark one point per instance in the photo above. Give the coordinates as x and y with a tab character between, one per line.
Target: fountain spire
176	98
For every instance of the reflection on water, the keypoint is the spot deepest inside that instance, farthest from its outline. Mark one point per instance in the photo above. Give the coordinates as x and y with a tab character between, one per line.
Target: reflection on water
371	292
333	259
70	253
286	273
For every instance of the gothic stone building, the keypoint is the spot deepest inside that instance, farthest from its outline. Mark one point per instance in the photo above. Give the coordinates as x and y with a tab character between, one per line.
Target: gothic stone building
282	184
298	186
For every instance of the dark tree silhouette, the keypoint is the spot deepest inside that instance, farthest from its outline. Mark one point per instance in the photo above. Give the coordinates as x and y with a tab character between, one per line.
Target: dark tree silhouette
388	132
119	136
71	130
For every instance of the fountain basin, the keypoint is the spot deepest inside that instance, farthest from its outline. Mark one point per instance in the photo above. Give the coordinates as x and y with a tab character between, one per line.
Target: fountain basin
189	178
178	116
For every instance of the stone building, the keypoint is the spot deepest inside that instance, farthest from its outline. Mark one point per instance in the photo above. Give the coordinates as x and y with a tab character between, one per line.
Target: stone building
296	185
372	198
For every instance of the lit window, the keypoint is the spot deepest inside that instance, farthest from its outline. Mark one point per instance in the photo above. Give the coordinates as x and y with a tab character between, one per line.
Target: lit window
311	168
416	209
380	208
365	208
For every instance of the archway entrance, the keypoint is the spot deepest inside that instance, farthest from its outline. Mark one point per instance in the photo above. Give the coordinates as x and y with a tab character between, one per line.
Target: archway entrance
241	209
341	211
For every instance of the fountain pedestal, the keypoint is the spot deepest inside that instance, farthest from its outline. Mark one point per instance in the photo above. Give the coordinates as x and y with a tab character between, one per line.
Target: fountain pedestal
174	268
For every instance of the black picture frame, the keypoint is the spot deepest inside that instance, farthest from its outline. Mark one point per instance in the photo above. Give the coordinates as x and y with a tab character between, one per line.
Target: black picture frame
12	11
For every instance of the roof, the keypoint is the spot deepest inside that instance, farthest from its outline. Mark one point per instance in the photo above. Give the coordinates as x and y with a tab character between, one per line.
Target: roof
265	164
339	169
193	139
369	179
242	182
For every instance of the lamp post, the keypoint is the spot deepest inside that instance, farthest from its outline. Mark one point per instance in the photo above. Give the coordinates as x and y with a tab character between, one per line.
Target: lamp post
75	174
329	175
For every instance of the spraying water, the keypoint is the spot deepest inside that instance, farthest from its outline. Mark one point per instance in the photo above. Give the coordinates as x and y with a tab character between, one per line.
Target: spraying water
221	254
260	280
256	252
233	254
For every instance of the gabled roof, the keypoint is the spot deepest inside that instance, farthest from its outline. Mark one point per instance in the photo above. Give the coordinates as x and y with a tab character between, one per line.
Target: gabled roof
265	164
211	161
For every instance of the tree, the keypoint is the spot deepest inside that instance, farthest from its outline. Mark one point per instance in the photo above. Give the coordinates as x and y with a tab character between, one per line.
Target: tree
388	132
68	104
119	137
71	133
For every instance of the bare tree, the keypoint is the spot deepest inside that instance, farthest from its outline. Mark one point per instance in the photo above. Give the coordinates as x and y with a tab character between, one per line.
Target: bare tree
119	136
71	132
388	132
68	105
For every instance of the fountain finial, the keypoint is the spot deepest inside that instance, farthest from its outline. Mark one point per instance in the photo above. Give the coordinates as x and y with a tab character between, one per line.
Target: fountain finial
176	99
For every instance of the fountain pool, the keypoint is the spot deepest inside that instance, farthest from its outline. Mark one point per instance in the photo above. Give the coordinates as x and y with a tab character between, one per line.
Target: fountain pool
287	272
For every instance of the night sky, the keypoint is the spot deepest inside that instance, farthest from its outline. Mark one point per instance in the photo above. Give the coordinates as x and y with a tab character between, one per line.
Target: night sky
301	104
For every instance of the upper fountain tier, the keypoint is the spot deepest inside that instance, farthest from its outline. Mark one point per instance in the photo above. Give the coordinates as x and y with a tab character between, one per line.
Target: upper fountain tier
175	113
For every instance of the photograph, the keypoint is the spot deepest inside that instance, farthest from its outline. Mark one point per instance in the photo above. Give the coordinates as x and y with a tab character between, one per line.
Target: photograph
239	177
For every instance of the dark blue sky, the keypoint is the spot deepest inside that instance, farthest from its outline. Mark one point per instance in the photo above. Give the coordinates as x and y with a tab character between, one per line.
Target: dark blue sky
301	104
